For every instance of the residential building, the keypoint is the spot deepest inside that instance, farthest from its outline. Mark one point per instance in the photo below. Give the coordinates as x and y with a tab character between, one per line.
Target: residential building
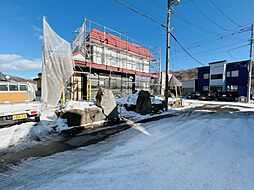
224	76
106	58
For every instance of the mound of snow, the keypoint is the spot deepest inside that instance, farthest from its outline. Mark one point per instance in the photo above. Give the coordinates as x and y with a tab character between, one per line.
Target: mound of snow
21	136
78	105
131	99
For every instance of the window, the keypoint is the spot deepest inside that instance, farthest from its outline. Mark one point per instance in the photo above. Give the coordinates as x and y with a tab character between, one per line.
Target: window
205	76
235	73
3	87
23	87
217	76
13	87
216	88
228	74
205	88
232	88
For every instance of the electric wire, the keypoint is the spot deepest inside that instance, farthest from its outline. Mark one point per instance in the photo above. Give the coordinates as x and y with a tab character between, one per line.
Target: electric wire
212	50
205	15
137	11
203	29
186	51
228	52
222	12
157	22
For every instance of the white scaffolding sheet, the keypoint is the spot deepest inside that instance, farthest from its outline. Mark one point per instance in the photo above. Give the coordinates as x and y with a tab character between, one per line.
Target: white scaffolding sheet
57	65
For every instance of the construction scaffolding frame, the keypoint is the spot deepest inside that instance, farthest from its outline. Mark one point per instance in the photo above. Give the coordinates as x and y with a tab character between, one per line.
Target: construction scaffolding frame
99	51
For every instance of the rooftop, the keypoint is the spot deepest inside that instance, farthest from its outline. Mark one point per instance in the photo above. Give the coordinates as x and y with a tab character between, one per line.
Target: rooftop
112	40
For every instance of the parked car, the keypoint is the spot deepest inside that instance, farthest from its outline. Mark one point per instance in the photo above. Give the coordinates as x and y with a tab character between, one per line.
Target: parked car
17	102
192	95
227	96
205	95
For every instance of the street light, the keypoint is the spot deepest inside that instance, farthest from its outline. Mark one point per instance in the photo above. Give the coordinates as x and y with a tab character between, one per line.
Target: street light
170	2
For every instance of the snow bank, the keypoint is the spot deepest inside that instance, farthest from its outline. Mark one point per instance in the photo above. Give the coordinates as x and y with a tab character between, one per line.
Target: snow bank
131	99
62	125
21	136
78	105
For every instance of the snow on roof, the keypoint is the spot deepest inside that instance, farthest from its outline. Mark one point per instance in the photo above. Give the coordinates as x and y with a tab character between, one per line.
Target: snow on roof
117	42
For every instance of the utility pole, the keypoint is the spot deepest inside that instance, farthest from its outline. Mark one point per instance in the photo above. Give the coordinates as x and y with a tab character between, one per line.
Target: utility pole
250	63
166	93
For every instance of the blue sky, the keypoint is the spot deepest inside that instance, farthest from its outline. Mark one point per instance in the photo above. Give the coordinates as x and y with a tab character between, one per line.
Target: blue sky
21	27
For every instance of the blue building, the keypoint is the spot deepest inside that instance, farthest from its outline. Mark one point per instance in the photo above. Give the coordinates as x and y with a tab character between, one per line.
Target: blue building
223	76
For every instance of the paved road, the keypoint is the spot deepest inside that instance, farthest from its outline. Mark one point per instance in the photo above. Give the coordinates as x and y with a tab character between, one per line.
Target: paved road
195	150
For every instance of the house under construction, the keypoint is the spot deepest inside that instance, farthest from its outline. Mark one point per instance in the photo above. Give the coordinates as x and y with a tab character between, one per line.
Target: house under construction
106	58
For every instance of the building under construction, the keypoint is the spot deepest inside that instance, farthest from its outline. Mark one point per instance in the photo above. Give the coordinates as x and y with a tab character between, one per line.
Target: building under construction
106	58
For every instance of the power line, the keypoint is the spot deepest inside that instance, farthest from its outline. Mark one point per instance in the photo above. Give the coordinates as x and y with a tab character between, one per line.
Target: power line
158	5
137	11
213	49
210	19
155	21
222	12
186	50
217	37
228	52
203	29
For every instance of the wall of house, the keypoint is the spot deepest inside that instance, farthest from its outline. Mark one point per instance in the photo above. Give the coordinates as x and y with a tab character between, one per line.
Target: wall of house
117	58
235	77
203	82
217	76
241	81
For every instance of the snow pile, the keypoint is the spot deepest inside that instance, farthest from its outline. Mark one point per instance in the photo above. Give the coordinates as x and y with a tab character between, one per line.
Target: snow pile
155	100
78	105
131	99
21	136
62	125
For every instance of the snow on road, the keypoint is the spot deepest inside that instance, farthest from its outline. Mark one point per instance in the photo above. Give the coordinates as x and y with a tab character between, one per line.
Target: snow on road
192	151
21	136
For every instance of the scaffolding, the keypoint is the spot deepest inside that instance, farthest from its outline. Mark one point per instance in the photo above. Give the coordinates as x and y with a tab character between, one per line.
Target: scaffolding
104	46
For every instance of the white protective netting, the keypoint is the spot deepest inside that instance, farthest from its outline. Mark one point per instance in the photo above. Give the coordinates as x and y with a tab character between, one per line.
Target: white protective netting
57	65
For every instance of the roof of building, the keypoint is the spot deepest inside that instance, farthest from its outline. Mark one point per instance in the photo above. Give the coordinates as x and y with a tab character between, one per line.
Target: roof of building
215	62
119	43
239	62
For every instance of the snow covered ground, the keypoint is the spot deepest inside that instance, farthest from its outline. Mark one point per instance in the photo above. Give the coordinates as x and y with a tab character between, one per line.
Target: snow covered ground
18	137
198	150
21	136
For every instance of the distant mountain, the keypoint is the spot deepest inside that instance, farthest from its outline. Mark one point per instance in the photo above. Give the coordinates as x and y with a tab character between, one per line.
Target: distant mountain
186	74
